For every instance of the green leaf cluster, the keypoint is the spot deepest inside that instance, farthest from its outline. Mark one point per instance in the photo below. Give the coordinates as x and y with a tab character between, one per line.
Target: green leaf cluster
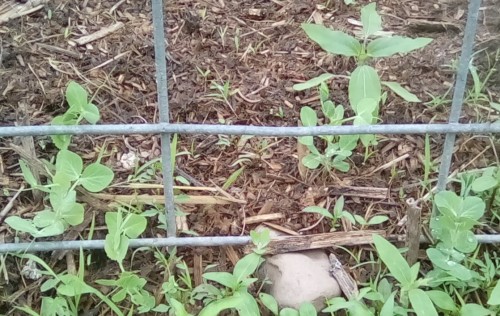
64	210
79	108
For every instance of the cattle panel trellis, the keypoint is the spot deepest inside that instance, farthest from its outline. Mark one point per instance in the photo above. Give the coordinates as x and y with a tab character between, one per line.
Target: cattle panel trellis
166	129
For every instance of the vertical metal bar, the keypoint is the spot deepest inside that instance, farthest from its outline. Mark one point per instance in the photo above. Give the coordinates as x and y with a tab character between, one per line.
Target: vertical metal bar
161	86
458	94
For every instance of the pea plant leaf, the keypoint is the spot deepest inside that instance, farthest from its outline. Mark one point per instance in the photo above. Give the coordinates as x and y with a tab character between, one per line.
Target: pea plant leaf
76	96
308	116
372	23
69	164
96	177
311	83
481	184
134	225
334	42
400	91
388	46
312	161
23	225
91	113
394	261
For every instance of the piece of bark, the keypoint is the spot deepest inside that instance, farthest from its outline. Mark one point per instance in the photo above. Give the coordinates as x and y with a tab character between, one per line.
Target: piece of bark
284	244
364	192
263	218
197	269
105	31
345	281
412	231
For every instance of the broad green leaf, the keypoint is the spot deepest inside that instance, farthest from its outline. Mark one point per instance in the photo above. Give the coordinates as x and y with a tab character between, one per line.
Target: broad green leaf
116	251
244	303
54	306
307	309
475	310
421	303
178	308
49	284
27	174
372	23
308	116
76	96
495	295
45	218
287	311
306	140
54	229
328	109
69	164
340	165
246	266
384	288
472	207
134	225
318	210
334	42
311	161
91	113
448	203
224	278
348	142
339	206
96	177
393	259
366	110
378	219
22	225
62	201
269	302
481	184
442	300
74	214
364	84
388	46
401	91
466	242
111	220
61	141
388	308
311	83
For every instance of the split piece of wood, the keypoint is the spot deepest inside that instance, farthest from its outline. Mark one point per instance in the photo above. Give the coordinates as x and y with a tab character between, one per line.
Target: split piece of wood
99	34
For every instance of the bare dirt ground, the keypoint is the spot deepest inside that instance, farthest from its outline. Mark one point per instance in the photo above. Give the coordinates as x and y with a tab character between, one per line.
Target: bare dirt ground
259	48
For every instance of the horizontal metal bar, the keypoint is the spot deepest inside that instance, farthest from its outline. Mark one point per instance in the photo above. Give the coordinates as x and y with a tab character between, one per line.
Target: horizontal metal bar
123	129
44	246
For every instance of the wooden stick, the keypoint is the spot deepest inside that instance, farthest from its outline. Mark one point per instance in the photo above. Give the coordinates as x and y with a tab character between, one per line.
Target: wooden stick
412	231
99	34
263	218
160	199
283	244
365	192
346	282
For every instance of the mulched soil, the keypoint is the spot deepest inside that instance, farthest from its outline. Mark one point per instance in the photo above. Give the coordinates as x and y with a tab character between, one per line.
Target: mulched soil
38	57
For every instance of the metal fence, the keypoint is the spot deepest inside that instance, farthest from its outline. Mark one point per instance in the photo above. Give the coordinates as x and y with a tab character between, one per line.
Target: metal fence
166	129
